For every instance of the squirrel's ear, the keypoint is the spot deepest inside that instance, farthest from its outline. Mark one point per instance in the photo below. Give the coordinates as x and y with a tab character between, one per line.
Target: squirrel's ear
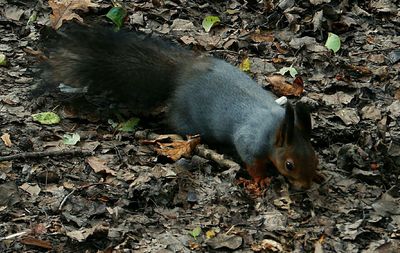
286	130
303	119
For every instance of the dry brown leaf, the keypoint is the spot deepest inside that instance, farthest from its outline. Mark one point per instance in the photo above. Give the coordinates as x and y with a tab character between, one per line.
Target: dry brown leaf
178	148
280	48
99	165
267	245
6	139
360	70
277	60
397	94
262	37
36	242
282	88
64	10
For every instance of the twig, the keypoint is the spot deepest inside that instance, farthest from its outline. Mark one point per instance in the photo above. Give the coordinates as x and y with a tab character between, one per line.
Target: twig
65	199
373	51
78	189
40	154
15	235
220	159
202	151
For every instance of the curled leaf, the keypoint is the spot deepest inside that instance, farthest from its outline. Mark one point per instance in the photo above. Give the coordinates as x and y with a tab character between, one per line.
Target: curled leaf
117	15
209	22
283	88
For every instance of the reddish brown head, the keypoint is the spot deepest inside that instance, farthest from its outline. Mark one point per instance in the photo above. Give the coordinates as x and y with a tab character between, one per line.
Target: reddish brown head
294	156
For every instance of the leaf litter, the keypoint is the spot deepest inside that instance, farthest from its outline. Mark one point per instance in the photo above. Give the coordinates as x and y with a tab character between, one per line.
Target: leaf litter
126	196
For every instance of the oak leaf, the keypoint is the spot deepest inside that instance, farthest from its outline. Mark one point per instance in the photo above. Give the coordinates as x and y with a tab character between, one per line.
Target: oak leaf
178	148
65	10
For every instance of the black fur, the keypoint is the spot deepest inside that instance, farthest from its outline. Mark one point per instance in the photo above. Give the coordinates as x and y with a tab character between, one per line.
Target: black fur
137	70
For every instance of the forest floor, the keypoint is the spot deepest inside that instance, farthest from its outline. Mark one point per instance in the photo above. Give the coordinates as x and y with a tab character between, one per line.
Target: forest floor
112	191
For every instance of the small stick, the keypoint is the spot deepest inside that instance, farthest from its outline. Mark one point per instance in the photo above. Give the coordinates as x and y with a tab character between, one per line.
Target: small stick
39	154
78	189
15	235
202	151
372	51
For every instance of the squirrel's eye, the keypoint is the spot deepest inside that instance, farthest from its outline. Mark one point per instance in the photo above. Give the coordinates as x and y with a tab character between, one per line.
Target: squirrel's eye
289	165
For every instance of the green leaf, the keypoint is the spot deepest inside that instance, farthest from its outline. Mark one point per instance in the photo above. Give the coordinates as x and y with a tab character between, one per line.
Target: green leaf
32	18
3	60
46	118
129	125
196	232
117	15
245	65
292	71
71	139
209	22
333	42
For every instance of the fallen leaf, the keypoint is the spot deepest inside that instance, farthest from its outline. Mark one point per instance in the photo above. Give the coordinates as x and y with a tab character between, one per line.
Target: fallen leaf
360	70
81	235
282	88
292	71
209	22
333	42
267	245
188	40
232	12
182	25
394	56
371	112
280	49
46	118
33	190
71	139
99	165
117	15
245	65
6	139
36	242
3	60
126	126
231	242
196	232
178	148
210	234
13	13
262	37
349	116
394	109
317	2
63	10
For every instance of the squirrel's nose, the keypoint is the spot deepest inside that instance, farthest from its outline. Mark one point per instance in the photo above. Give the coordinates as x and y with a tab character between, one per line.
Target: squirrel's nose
300	185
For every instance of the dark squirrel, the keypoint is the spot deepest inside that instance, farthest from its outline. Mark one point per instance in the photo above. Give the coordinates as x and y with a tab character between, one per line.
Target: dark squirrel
206	96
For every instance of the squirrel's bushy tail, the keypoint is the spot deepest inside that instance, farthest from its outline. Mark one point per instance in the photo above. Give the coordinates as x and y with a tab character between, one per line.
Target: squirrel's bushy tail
136	69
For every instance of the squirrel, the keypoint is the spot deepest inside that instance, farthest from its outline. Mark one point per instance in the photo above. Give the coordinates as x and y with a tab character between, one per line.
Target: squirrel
206	96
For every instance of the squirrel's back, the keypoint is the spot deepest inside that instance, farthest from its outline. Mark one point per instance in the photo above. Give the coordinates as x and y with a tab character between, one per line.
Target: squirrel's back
217	101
